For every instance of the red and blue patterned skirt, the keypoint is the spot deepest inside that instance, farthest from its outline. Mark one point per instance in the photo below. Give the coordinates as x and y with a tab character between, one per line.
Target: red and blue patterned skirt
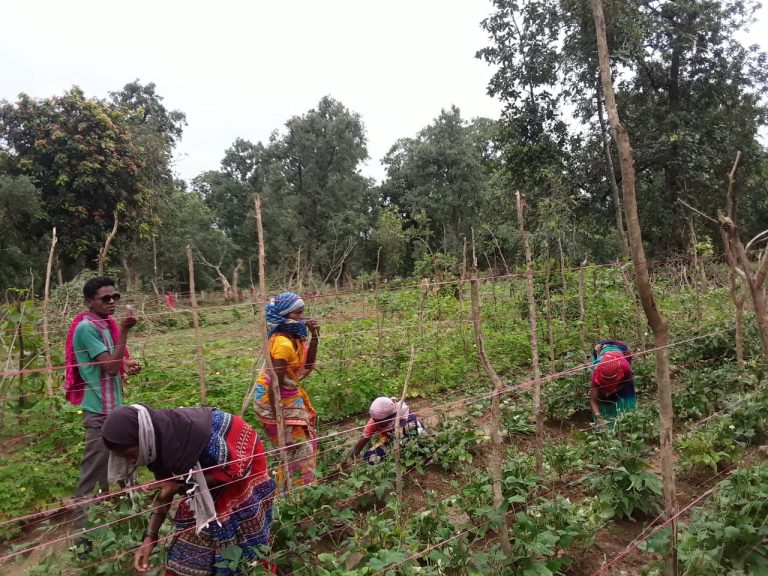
243	502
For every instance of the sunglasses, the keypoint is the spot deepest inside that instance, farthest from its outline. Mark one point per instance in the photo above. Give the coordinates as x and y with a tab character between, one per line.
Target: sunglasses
109	298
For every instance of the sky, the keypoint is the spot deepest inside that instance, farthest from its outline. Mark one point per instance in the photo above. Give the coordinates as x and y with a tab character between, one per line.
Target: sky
242	68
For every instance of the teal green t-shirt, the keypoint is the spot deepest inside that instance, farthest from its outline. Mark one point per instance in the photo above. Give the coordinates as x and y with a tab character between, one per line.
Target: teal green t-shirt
103	393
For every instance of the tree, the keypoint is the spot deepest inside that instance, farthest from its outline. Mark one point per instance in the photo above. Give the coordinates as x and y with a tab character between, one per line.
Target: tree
390	236
692	94
80	154
185	219
155	132
320	154
442	174
20	212
656	320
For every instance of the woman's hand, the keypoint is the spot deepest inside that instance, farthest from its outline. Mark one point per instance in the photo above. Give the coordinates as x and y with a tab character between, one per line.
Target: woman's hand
314	327
141	557
169	489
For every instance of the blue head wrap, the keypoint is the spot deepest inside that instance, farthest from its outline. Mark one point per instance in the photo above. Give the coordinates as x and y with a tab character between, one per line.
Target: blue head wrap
278	308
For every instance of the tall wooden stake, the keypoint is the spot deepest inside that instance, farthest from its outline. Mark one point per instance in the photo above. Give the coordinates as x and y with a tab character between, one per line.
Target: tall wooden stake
379	319
46	340
562	276
582	312
550	330
274	388
196	324
399	437
537	411
497	453
657	322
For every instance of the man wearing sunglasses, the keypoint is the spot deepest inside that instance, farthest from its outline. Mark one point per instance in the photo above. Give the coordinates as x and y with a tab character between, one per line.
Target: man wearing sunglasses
97	361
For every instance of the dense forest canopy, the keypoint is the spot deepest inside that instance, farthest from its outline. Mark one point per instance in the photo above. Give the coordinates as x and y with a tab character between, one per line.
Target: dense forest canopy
691	94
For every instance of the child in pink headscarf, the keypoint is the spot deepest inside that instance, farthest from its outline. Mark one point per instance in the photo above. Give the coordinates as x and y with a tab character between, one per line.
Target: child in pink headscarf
382	423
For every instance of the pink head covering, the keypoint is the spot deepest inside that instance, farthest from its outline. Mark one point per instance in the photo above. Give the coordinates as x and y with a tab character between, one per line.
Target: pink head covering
609	367
384	407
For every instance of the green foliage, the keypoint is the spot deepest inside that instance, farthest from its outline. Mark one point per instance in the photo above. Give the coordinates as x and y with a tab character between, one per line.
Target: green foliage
564	458
545	532
80	154
730	534
711	447
627	489
20	212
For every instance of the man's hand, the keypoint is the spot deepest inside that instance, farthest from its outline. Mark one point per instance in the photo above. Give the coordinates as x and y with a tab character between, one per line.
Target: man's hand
142	554
314	327
129	320
132	367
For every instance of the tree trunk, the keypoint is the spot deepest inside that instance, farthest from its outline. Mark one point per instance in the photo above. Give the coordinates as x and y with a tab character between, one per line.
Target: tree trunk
754	280
657	322
236	280
537	411
611	173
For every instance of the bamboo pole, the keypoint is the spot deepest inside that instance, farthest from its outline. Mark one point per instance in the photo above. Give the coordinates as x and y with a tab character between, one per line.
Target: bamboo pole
537	411
497	452
46	340
399	436
196	324
274	397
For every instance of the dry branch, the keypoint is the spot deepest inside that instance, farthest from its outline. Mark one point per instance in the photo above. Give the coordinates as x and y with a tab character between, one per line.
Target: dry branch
105	248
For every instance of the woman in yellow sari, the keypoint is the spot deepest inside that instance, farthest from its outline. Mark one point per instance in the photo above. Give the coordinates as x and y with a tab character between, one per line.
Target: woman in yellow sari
293	359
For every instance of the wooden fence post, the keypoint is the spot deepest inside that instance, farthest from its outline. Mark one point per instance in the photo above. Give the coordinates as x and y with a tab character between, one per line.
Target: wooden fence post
497	453
582	312
196	324
537	411
379	319
274	384
399	436
46	340
550	330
